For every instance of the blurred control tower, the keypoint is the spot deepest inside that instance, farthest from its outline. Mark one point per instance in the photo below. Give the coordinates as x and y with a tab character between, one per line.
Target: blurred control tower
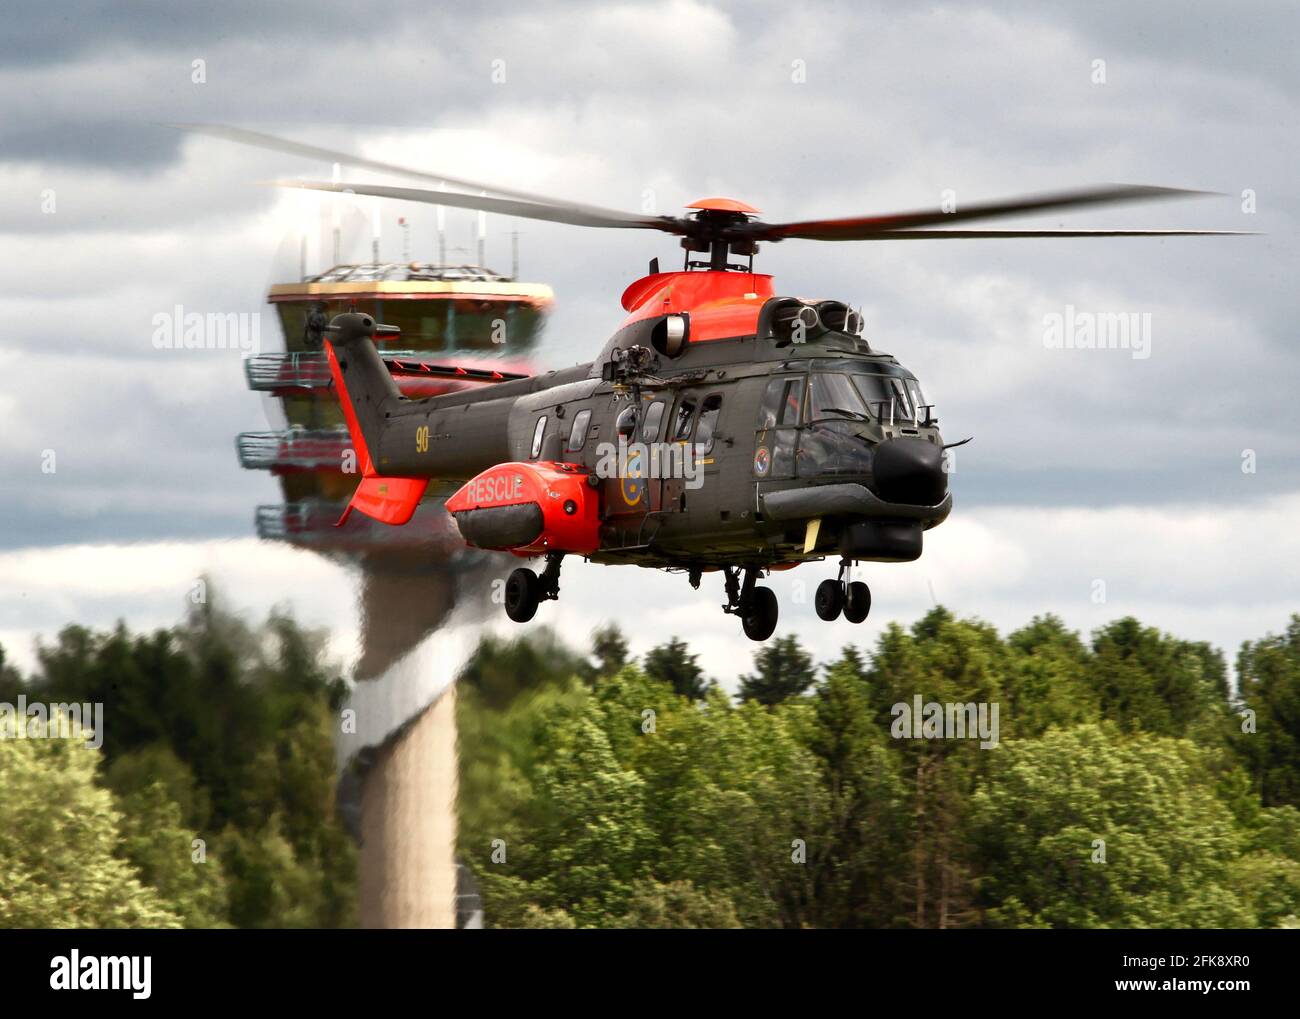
463	317
461	326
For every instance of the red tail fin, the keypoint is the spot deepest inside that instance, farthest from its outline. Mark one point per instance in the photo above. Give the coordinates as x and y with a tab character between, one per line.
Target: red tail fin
389	500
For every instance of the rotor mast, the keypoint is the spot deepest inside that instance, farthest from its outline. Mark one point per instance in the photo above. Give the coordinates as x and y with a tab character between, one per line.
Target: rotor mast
718	228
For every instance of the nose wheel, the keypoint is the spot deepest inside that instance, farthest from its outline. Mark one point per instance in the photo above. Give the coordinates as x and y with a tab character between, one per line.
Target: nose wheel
857	602
836	597
829	600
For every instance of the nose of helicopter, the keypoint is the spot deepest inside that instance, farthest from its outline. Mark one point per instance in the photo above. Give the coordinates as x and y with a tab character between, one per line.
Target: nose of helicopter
910	471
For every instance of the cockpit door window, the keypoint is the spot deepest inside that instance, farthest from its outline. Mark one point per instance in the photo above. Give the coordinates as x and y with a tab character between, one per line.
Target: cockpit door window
777	433
782	401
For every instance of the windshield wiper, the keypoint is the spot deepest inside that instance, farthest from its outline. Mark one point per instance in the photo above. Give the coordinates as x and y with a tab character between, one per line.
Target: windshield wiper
856	415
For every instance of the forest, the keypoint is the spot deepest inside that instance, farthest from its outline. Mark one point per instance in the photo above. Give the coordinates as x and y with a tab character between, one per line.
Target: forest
1131	783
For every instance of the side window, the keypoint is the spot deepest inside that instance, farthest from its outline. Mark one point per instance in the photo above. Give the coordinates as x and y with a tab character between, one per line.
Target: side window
626	423
578	436
538	432
708	425
682	422
654	414
782	401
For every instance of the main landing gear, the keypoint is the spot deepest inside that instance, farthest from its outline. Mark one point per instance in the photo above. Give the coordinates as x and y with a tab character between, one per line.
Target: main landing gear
525	590
756	606
836	596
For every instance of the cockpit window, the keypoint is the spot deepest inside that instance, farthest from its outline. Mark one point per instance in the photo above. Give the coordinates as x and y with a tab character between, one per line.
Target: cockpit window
891	399
834	396
920	411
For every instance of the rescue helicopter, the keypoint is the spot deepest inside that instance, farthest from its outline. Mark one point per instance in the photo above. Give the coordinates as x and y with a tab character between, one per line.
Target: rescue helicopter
723	428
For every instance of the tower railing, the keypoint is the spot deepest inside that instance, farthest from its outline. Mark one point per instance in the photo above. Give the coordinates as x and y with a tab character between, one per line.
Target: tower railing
296	449
281	372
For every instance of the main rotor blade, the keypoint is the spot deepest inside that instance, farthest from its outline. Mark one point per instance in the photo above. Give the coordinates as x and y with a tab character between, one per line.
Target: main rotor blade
573	215
867	227
273	143
936	235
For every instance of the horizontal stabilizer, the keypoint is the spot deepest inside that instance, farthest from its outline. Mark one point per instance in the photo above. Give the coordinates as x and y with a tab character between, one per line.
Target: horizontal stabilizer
388	500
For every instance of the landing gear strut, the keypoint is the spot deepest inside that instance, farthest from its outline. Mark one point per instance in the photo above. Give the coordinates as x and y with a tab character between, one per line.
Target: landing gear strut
836	596
525	590
756	606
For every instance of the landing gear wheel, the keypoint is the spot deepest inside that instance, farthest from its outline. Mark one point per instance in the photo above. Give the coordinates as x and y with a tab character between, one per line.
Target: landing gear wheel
858	602
523	592
829	601
758	617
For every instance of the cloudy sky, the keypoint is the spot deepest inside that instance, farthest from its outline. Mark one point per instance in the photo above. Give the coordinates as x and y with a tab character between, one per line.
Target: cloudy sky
1087	465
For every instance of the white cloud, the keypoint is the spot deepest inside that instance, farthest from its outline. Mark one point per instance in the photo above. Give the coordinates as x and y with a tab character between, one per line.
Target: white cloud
150	585
1203	572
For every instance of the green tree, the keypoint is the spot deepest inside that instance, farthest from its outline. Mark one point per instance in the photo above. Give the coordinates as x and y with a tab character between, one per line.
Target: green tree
1169	843
11	682
946	661
860	869
235	724
1154	682
672	663
59	846
501	670
782	669
630	804
269	884
733	795
170	858
1268	676
1268	874
678	905
609	648
583	855
156	763
1048	681
626	803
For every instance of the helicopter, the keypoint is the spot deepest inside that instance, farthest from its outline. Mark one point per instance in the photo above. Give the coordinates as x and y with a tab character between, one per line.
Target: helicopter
722	428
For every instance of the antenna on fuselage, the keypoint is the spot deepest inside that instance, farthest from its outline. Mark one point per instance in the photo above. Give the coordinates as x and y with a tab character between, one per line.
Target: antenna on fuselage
482	236
441	212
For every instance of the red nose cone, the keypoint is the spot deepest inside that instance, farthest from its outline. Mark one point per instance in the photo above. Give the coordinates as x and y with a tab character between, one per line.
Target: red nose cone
723	205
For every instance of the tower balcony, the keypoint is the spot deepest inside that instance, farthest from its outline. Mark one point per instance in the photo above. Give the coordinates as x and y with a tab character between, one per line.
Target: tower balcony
313	523
286	373
297	449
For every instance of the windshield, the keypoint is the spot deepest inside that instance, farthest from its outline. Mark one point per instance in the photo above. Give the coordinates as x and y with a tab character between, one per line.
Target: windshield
892	399
834	396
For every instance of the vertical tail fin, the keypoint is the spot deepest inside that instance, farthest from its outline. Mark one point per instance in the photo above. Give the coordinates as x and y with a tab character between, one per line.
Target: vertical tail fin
366	390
